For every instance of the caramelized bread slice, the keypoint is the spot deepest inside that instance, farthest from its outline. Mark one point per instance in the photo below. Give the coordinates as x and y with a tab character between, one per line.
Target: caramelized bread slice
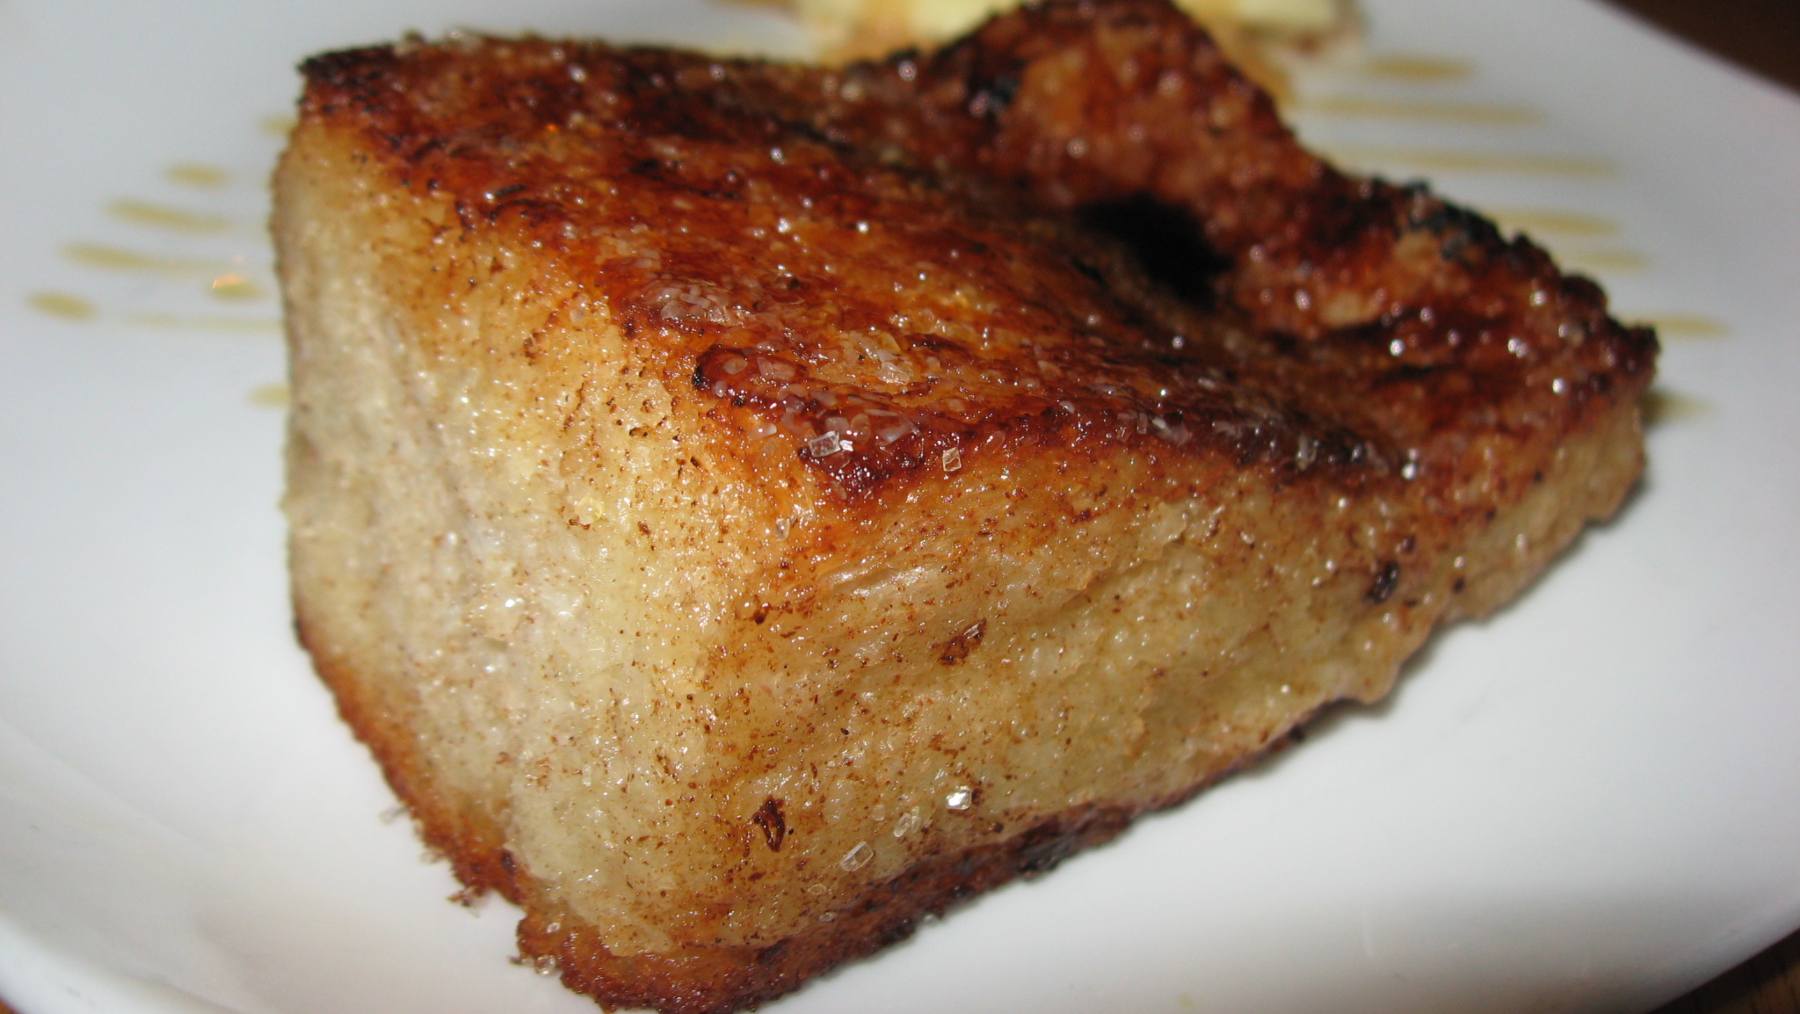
745	508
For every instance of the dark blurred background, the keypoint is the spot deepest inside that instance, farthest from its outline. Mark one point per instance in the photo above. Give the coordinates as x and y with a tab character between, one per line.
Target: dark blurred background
1760	35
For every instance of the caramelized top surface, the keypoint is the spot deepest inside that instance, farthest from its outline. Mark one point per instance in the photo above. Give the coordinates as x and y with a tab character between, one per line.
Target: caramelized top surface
1078	228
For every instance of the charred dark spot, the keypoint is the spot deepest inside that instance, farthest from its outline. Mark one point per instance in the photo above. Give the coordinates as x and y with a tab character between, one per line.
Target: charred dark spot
990	98
1458	230
1088	270
419	152
894	932
774	825
1383	585
508	863
643	529
1440	217
957	648
1045	848
1166	240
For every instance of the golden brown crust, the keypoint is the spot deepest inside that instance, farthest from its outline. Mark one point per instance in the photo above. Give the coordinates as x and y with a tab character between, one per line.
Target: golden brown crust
1294	317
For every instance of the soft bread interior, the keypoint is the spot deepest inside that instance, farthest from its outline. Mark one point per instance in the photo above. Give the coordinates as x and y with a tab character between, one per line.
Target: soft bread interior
616	672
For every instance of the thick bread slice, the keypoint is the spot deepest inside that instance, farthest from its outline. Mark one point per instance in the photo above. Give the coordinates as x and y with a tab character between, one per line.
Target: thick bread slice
745	508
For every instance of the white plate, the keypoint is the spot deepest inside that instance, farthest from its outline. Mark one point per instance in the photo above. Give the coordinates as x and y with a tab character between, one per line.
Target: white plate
1588	802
